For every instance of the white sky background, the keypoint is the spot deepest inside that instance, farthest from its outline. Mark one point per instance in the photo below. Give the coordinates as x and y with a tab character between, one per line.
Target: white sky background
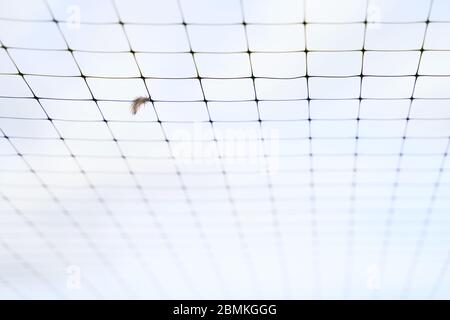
163	205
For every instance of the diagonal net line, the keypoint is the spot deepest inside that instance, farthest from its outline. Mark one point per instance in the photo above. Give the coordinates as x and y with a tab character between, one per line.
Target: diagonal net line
312	198
352	210
234	212
64	211
313	171
29	267
266	169
440	277
391	212
419	247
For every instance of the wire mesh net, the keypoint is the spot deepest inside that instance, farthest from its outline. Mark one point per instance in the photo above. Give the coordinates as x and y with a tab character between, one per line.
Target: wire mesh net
283	149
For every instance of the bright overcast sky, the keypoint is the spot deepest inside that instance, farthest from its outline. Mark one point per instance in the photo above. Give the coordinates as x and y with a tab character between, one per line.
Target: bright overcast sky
301	154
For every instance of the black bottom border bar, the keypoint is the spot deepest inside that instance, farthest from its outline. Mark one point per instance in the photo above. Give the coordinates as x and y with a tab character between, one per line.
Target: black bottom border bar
224	309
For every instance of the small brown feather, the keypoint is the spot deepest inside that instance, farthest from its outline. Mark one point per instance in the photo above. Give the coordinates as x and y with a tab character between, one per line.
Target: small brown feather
138	103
